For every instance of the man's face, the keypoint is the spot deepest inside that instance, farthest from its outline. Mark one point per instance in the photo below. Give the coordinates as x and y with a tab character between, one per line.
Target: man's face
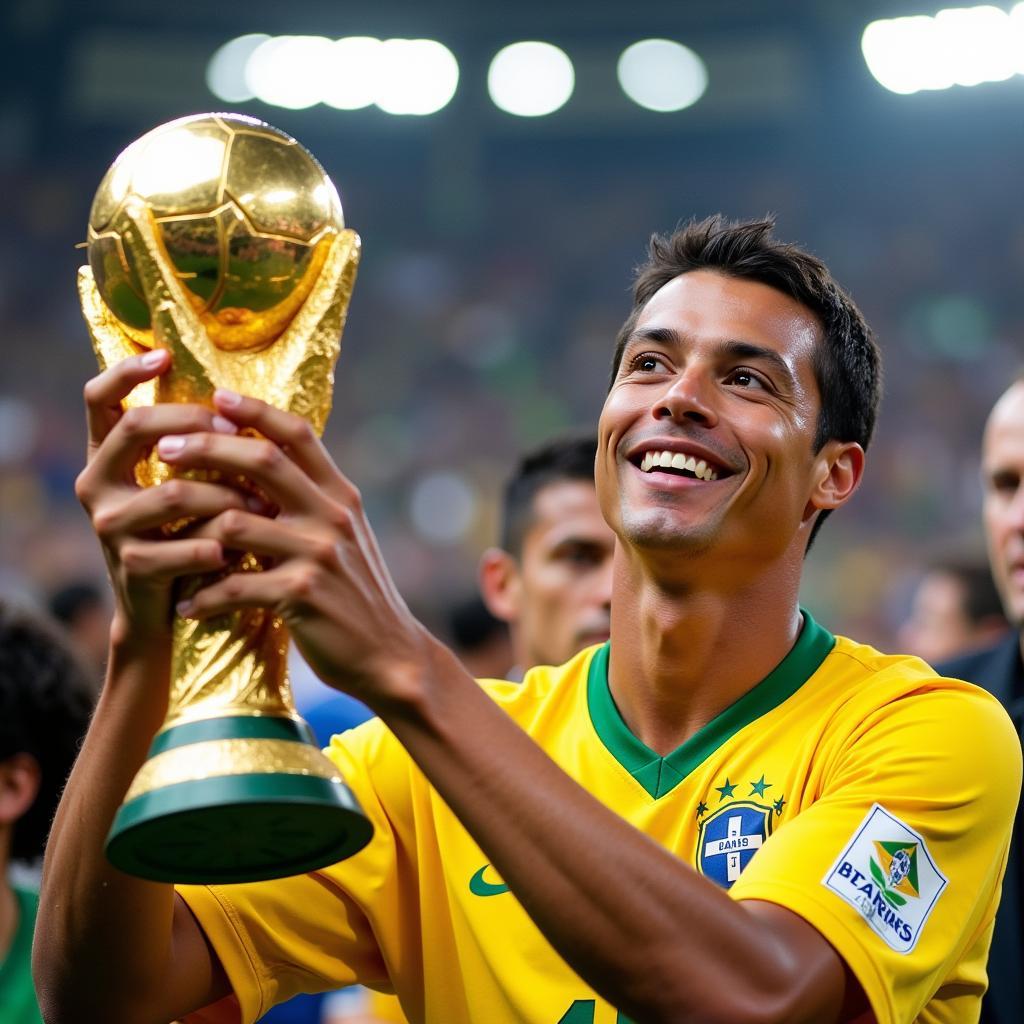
1003	475
565	574
717	375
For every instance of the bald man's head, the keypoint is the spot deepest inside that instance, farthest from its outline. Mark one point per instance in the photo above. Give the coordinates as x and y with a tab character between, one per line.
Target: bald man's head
1002	464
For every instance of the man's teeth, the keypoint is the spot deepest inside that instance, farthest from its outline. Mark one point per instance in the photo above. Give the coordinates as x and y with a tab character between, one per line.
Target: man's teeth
676	460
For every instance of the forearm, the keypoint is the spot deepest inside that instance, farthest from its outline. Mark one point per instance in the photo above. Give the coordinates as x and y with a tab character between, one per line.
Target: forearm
102	935
649	947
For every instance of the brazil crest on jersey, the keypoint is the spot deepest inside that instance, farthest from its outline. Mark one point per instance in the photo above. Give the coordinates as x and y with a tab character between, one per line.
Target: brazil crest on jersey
858	790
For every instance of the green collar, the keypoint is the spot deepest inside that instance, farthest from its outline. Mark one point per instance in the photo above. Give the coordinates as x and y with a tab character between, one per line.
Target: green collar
659	775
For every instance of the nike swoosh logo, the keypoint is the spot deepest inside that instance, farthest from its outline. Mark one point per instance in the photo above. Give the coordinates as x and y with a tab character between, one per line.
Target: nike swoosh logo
479	886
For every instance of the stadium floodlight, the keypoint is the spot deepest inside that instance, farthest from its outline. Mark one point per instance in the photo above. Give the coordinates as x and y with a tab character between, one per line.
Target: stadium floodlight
288	71
530	78
225	74
353	69
957	46
417	76
662	75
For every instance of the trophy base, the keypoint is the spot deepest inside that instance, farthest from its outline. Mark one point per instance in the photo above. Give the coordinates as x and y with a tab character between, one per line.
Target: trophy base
280	809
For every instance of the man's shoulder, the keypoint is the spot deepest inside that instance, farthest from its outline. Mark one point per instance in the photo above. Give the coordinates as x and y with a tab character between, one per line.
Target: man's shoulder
543	689
907	687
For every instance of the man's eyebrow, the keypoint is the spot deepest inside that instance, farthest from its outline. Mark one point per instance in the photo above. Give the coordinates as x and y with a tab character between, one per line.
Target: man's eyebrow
733	348
747	350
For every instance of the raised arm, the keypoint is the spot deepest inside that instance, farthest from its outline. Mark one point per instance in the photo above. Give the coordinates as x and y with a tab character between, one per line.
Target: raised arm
654	950
109	946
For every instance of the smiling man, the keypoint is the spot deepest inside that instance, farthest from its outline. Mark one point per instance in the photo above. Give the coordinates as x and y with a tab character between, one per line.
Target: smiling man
725	814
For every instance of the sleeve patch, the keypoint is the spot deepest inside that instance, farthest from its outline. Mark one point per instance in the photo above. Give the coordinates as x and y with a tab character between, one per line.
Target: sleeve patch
887	874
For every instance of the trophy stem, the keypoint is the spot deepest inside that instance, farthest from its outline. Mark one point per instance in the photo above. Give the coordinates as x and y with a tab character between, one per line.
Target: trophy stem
234	788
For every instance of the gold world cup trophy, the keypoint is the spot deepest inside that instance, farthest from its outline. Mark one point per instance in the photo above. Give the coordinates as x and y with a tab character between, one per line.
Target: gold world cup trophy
222	239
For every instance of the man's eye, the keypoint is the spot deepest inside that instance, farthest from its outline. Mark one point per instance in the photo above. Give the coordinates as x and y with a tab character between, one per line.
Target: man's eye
1005	483
646	362
744	379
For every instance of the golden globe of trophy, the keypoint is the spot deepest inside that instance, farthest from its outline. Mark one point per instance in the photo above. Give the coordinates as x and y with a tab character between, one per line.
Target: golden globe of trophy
221	239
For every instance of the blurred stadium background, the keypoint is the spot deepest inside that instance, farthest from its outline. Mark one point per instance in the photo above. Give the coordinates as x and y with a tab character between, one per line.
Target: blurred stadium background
498	247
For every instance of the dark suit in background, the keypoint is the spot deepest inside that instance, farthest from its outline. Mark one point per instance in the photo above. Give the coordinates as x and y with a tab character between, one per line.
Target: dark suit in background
1000	670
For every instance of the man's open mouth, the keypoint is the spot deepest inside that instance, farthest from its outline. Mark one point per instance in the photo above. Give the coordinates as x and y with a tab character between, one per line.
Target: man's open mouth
678	464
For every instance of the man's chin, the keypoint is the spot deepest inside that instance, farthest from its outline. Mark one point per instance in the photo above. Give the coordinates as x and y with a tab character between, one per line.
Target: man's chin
665	532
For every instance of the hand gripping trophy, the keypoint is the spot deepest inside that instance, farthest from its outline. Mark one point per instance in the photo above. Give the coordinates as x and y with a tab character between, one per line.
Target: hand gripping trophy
221	239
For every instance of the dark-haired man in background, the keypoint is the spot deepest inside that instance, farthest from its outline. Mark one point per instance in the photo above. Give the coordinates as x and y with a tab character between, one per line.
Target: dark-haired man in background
550	579
727	814
45	700
1000	669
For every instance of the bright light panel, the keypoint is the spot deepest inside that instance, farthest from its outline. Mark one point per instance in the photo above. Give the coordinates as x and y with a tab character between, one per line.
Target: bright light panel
958	46
288	71
530	79
225	74
401	76
418	76
353	68
662	75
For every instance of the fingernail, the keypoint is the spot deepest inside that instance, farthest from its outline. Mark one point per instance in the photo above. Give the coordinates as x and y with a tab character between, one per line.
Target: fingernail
229	398
151	360
183	608
170	445
223	426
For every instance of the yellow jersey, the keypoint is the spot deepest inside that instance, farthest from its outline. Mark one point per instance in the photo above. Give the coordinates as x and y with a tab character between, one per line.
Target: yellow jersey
861	791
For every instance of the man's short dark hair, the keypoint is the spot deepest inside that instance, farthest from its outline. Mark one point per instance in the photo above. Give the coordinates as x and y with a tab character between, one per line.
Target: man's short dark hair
566	458
847	363
45	703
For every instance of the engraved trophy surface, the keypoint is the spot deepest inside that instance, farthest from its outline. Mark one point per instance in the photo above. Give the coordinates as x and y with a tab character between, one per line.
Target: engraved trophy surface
222	239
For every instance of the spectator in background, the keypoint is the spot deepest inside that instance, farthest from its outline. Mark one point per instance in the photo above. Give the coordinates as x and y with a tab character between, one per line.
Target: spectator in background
1000	669
45	700
84	611
955	609
551	578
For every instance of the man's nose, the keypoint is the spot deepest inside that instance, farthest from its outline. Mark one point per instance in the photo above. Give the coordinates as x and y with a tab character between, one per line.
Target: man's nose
689	397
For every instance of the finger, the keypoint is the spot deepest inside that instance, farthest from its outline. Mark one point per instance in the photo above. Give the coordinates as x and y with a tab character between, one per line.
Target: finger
289	431
105	392
139	429
240	530
258	460
176	499
163	560
240	590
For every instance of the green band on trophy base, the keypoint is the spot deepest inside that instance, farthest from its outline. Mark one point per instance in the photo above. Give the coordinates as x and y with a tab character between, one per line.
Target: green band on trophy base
267	727
237	828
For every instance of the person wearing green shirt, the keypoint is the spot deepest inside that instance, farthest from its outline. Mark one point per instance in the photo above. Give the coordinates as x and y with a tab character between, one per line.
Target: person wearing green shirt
45	702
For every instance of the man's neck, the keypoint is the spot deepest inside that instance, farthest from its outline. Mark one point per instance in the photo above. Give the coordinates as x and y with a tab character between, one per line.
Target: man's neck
681	654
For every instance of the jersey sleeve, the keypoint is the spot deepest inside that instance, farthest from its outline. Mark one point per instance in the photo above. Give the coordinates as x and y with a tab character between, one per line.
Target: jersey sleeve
317	931
898	860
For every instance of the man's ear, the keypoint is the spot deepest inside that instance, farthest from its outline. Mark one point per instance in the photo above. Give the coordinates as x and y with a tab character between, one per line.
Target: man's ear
20	777
838	469
500	584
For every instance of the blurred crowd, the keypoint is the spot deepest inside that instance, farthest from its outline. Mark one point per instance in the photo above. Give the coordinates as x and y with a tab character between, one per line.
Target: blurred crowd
483	322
